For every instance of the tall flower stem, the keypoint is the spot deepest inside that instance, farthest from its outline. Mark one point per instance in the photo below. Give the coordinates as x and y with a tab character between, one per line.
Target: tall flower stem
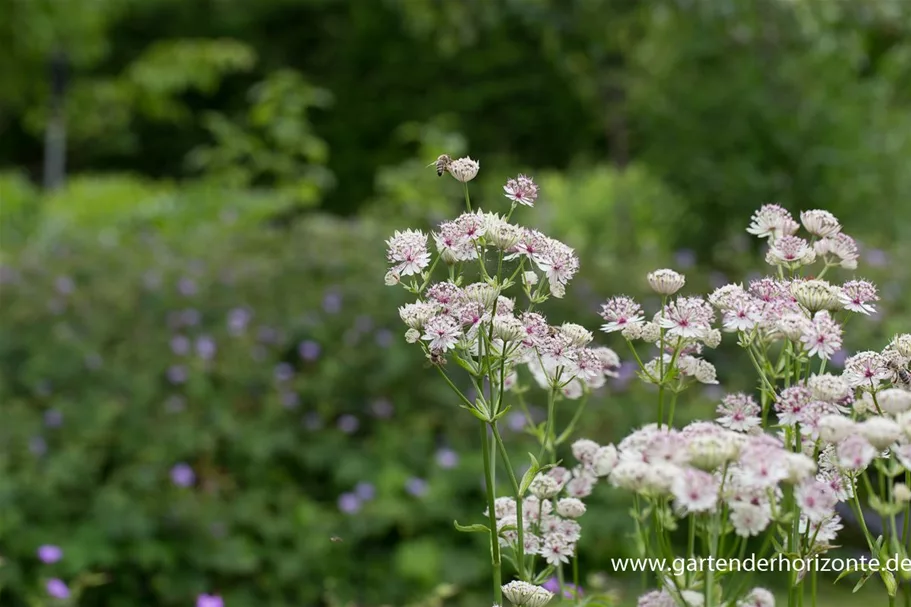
492	516
517	492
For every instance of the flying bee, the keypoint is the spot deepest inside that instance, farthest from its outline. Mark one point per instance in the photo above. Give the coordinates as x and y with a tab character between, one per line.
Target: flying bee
901	376
442	164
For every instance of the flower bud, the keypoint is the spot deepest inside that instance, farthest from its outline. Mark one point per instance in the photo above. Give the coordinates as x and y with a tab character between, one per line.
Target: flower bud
464	169
666	282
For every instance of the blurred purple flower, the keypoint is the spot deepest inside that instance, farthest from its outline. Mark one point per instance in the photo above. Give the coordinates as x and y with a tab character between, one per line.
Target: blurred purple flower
37	445
49	554
190	317
348	423
515	421
838	359
416	486
283	372
93	361
53	418
713	392
332	302
349	503
177	374
205	347
57	589
365	491
175	403
312	421
876	258
64	285
309	350
187	287
209	600
625	374
267	335
182	475
718	279
290	400
685	258
382	408
238	318
569	590
363	323
447	458
180	345
384	338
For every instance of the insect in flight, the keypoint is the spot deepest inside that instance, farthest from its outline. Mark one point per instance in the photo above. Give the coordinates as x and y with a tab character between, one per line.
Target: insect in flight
442	164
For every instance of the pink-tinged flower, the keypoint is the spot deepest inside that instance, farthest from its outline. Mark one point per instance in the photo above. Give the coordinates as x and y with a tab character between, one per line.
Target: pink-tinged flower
522	190
559	263
57	588
408	253
866	369
49	554
856	296
758	597
443	333
772	221
855	453
764	464
453	244
687	317
769	289
656	598
619	312
841	246
739	412
816	499
742	314
750	519
820	223
531	244
209	600
556	550
790	251
695	491
791	403
824	338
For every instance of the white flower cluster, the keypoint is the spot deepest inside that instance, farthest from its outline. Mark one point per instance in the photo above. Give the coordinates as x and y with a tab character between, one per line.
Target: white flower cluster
523	594
549	514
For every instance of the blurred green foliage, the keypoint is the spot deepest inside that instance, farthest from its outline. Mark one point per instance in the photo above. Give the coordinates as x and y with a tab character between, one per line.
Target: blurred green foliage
201	293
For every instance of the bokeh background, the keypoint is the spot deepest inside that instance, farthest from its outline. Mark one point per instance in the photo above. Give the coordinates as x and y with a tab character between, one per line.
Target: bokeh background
204	384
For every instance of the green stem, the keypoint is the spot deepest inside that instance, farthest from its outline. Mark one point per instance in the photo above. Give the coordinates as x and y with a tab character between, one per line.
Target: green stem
467	198
518	495
491	509
547	445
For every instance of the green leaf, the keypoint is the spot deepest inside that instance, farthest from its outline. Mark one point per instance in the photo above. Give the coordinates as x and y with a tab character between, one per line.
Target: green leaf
889	581
476	528
529	475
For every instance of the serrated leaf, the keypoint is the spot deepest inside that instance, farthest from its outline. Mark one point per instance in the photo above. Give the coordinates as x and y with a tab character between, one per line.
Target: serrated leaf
476	528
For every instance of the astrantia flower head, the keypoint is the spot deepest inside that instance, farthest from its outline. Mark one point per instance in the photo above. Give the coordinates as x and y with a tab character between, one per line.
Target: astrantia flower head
816	500
902	344
739	412
656	598
758	597
772	221
408	253
857	295
688	317
840	246
823	338
750	519
790	251
695	491
816	295
443	333
416	314
666	282
522	190
866	369
820	223
620	311
523	594
894	400
855	452
881	432
570	507
464	169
